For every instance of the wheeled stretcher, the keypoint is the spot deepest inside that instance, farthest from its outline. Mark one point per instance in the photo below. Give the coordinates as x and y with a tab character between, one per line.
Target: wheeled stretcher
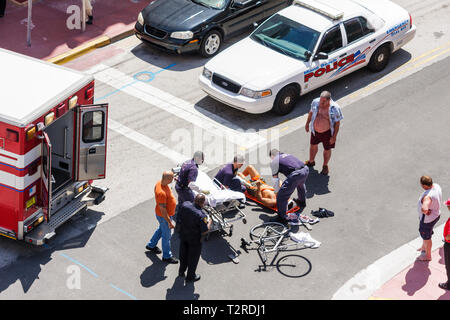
220	202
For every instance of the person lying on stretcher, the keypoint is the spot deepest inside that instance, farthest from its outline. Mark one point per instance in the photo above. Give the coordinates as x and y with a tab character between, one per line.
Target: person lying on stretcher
265	194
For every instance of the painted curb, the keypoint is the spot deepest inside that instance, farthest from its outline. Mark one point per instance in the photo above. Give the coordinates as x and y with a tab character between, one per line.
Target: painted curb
367	281
99	42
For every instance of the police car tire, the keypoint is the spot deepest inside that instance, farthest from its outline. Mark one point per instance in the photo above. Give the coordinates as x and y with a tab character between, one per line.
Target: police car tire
285	100
209	36
382	53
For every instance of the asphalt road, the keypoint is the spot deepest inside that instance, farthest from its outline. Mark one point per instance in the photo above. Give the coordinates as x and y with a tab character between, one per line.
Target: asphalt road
387	141
395	130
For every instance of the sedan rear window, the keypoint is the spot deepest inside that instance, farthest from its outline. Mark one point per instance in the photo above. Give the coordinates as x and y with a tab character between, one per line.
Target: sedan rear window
286	36
356	29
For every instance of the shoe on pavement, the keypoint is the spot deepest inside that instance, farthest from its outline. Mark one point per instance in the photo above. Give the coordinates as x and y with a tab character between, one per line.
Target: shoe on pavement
171	260
310	163
89	21
325	170
196	278
154	250
444	285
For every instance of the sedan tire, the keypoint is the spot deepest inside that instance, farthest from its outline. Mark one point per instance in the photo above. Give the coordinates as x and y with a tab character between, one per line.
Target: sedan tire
379	59
211	44
285	100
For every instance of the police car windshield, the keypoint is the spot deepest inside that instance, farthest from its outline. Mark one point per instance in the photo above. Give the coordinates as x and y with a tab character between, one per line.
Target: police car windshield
286	36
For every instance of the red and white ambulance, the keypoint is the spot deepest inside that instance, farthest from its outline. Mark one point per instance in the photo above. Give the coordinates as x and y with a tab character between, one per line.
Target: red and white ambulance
52	146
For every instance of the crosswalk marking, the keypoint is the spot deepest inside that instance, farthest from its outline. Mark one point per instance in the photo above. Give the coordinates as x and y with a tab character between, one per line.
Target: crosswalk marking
147	142
178	107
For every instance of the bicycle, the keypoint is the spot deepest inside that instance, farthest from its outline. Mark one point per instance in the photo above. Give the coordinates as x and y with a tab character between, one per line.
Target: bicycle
273	237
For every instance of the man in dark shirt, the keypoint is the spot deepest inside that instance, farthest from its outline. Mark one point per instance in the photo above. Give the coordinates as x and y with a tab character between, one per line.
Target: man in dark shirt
193	224
296	174
227	175
188	174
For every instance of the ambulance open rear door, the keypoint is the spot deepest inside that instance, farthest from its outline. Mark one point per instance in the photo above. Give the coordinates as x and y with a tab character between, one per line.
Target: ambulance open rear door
91	142
46	175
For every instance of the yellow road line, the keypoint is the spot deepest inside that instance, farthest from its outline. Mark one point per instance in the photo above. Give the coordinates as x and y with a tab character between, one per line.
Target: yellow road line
404	68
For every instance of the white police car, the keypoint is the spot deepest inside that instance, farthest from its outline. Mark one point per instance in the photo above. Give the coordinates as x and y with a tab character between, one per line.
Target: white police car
302	47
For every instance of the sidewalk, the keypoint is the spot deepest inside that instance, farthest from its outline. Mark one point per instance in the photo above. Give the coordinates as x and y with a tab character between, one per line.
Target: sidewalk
50	36
417	282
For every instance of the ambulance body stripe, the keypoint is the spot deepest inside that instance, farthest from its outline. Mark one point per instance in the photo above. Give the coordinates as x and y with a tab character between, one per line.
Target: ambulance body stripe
20	161
16	183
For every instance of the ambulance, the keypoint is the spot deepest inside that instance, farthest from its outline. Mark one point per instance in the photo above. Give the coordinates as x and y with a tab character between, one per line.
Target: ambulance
52	146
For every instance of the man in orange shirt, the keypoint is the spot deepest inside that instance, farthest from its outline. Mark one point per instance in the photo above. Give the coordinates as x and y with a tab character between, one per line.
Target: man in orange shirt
165	209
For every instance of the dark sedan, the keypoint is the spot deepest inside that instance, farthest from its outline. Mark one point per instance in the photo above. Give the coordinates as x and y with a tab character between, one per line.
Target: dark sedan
200	25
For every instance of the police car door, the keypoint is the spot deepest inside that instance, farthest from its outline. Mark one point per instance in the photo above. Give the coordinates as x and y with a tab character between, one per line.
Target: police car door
91	142
323	70
359	38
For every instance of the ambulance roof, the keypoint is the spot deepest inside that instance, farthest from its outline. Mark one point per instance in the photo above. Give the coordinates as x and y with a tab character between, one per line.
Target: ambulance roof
30	87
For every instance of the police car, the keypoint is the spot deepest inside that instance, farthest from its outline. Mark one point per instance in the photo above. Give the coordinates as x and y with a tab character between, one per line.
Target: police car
303	47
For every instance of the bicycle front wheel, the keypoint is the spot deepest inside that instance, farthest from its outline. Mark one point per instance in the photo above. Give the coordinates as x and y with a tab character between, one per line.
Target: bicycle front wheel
268	231
294	266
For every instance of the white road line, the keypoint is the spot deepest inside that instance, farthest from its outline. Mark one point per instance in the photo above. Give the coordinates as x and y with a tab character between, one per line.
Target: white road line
180	108
147	142
367	281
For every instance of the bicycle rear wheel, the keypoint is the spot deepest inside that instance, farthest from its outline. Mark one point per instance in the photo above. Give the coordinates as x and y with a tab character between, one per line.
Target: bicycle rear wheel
267	231
294	266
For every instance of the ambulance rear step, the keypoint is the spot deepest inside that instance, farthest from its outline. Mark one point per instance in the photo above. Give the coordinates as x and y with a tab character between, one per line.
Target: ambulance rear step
94	195
46	230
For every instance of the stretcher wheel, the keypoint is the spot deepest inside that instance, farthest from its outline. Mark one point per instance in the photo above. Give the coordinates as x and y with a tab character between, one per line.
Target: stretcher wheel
230	233
244	221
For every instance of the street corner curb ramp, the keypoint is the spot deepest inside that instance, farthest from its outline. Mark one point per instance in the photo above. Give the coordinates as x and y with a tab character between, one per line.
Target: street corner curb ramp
87	47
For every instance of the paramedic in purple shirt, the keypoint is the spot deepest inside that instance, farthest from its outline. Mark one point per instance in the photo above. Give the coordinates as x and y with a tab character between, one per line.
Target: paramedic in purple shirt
227	175
296	174
188	174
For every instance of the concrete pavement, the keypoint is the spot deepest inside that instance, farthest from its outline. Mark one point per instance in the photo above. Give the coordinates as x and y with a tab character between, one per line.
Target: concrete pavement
390	155
372	193
51	38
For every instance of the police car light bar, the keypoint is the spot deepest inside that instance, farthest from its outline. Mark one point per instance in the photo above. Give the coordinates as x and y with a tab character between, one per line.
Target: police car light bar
321	8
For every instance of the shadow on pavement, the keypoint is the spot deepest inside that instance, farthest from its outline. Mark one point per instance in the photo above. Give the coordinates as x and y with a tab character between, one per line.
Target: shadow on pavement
216	249
445	296
182	291
316	184
187	61
27	267
154	273
416	277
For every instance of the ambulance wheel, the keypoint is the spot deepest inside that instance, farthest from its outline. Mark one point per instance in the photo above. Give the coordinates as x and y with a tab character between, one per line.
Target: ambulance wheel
379	59
285	100
211	44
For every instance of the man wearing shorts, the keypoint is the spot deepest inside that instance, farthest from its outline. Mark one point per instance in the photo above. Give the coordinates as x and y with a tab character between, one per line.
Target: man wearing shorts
429	208
323	122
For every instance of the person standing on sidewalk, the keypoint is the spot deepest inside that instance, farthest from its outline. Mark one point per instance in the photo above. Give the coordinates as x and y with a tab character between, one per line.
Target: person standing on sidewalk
429	208
88	8
2	7
446	285
165	209
323	121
